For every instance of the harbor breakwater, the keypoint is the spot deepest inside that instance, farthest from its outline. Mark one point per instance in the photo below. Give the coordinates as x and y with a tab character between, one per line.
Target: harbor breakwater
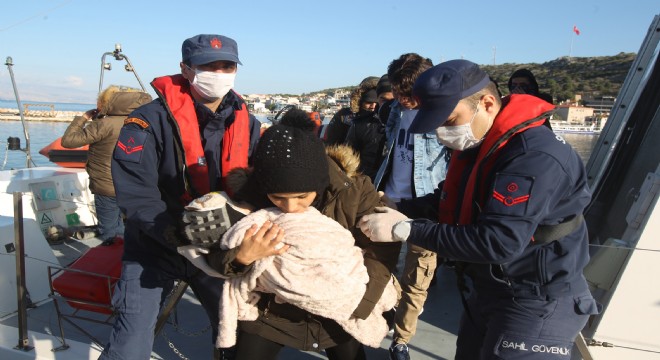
8	114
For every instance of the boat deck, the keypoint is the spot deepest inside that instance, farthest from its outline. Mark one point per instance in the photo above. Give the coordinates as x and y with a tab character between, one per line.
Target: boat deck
190	336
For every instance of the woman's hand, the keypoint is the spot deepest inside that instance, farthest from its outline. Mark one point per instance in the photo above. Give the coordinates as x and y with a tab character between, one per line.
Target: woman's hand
262	242
90	114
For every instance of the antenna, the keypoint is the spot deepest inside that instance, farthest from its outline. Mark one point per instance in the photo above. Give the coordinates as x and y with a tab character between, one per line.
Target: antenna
119	56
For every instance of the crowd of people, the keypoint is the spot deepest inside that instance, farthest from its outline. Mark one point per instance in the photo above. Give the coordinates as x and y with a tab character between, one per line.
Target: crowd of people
429	164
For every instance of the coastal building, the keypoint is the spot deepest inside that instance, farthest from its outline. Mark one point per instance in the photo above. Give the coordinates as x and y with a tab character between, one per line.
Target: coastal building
574	114
602	105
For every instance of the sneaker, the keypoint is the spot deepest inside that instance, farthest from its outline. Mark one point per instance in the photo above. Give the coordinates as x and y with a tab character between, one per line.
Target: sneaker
399	352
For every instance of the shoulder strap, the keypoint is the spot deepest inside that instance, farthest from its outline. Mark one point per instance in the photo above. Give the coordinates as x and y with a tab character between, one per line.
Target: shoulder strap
548	233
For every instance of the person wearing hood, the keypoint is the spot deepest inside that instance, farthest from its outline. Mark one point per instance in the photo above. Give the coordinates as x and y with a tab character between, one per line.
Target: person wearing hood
337	129
522	81
509	217
170	151
99	128
366	134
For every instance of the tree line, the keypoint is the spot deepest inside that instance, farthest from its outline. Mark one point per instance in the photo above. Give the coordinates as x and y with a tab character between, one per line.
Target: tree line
563	78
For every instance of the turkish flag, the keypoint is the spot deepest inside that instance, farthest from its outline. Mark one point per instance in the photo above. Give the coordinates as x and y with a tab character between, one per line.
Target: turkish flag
576	30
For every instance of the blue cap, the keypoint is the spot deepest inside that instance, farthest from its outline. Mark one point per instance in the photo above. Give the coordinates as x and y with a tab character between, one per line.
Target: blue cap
205	48
439	89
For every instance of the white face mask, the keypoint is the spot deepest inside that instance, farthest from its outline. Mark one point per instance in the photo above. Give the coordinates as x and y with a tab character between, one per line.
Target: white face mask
459	137
212	85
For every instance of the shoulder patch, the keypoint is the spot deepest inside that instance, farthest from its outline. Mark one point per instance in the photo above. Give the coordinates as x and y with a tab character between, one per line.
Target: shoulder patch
133	120
130	145
511	194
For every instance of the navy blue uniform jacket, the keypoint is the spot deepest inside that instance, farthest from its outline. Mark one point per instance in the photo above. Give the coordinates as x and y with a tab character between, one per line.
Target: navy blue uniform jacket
149	178
497	246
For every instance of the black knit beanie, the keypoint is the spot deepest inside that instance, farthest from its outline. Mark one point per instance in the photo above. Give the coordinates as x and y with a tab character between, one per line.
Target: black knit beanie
383	85
290	160
369	97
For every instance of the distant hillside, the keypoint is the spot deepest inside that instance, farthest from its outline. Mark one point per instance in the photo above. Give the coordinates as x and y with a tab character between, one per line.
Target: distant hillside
564	77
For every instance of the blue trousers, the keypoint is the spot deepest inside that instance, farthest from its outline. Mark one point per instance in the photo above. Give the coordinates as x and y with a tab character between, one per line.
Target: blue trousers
501	327
109	217
138	297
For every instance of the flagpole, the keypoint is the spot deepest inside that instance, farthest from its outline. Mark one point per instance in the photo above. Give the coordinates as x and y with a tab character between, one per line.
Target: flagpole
576	32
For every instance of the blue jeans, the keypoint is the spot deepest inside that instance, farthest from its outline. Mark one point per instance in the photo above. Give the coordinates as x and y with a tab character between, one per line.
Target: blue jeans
138	297
108	214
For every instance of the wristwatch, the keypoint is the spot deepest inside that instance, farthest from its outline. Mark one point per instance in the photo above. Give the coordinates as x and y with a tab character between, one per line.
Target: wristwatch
401	230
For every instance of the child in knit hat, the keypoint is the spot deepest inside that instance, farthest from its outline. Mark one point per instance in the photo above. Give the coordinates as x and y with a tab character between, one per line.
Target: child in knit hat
292	173
316	269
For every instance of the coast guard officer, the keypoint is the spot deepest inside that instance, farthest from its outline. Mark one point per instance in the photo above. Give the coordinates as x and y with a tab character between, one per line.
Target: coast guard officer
170	151
510	216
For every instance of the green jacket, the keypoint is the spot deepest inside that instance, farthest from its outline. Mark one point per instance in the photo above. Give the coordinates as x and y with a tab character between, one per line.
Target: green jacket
101	135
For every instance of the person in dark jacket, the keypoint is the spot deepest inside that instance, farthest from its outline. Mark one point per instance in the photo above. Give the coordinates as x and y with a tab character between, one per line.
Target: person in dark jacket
385	97
337	129
346	196
510	217
523	81
114	103
366	135
170	151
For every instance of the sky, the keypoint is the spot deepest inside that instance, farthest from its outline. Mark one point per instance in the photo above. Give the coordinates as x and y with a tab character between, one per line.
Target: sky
295	47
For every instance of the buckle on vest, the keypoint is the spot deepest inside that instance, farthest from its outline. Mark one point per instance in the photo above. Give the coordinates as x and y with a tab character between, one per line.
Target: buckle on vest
201	161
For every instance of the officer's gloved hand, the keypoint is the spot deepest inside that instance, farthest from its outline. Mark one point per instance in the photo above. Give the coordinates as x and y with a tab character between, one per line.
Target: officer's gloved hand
195	254
378	226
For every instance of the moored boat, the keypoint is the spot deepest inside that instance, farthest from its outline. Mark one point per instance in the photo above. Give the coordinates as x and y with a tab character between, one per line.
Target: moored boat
64	157
561	127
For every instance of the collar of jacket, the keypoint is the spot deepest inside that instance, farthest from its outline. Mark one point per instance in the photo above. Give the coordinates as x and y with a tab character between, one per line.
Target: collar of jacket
343	164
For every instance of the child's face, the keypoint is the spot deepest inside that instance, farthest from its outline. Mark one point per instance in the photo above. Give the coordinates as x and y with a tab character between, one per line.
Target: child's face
292	202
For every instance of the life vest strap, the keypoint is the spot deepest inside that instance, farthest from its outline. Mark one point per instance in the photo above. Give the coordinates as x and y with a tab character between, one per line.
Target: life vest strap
548	233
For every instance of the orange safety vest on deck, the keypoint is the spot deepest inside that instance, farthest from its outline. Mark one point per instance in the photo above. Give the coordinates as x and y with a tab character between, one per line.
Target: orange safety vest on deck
518	114
175	92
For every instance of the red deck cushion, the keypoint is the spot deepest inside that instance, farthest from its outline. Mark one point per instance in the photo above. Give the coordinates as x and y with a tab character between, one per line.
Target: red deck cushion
102	260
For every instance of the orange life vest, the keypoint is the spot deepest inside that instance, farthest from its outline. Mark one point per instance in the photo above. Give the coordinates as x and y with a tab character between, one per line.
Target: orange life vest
175	92
519	113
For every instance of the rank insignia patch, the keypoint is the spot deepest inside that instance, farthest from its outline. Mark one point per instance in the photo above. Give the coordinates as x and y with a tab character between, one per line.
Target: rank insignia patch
130	145
511	194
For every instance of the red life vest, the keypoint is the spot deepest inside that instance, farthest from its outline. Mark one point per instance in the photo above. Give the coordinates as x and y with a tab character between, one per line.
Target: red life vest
175	92
518	113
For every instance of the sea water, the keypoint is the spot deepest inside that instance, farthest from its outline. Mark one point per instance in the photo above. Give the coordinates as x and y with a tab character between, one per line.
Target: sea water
41	134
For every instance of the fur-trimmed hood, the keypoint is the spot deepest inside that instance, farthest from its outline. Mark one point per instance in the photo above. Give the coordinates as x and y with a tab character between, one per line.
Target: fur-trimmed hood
369	83
347	159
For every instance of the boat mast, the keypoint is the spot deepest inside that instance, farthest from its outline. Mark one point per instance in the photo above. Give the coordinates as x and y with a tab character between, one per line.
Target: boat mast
28	158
